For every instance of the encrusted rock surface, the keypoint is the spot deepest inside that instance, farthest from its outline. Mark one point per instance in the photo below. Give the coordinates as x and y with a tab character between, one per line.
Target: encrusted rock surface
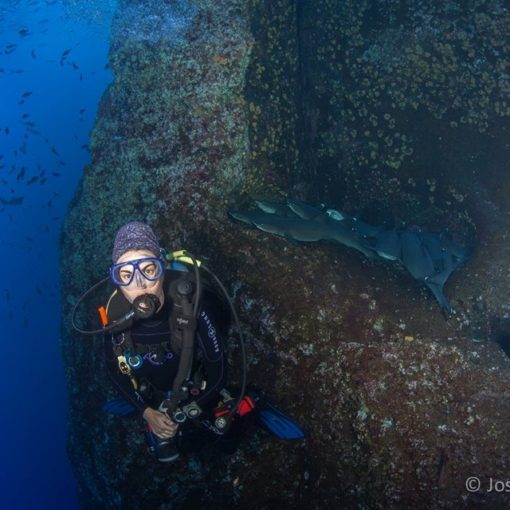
399	114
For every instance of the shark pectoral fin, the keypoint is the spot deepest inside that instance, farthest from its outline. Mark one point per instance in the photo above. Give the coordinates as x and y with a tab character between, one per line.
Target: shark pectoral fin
304	211
368	252
272	208
270	229
240	216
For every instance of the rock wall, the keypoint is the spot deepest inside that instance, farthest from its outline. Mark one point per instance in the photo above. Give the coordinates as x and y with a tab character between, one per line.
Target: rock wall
397	113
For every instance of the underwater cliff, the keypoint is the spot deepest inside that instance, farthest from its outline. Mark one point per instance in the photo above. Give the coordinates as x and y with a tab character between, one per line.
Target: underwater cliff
397	113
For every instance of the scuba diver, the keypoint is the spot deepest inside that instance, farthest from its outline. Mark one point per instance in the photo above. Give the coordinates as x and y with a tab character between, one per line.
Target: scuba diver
163	329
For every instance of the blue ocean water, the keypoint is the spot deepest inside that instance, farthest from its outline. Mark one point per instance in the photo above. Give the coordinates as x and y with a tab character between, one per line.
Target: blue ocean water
53	56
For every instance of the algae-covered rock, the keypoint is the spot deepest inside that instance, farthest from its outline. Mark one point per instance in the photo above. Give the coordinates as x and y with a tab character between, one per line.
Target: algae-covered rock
378	109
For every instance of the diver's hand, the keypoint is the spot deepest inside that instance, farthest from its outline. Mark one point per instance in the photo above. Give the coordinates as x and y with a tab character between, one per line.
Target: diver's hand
160	423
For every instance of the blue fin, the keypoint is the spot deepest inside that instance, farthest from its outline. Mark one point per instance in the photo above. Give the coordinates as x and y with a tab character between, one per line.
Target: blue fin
119	406
279	424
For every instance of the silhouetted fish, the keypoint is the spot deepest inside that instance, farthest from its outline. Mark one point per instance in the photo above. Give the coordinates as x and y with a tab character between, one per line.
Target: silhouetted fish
12	201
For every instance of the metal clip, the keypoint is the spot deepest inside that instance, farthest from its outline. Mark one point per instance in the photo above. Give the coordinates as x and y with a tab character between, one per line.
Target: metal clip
123	365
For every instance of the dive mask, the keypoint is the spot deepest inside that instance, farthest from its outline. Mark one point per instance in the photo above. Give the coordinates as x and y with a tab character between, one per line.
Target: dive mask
148	268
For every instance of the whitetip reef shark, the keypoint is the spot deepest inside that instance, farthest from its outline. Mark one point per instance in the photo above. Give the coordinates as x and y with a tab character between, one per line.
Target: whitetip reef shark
429	257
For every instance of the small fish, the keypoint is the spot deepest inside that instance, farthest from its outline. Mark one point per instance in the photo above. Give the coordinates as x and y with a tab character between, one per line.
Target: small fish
26	94
75	66
23	31
82	111
55	151
6	130
43	180
25	115
33	54
56	174
33	179
21	174
66	52
12	201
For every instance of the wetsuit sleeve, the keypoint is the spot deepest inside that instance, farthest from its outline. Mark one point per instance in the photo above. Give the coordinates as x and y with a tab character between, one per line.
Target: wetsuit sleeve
212	356
121	382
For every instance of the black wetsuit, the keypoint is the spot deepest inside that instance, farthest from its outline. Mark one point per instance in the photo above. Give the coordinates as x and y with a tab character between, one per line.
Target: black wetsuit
160	370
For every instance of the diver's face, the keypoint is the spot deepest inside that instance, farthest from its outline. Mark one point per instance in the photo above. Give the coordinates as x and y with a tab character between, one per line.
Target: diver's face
140	285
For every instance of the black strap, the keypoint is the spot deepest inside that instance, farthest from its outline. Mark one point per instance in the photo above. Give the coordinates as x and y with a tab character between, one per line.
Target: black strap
183	325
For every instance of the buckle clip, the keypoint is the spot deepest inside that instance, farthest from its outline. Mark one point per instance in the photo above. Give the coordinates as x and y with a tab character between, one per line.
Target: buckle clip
123	365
